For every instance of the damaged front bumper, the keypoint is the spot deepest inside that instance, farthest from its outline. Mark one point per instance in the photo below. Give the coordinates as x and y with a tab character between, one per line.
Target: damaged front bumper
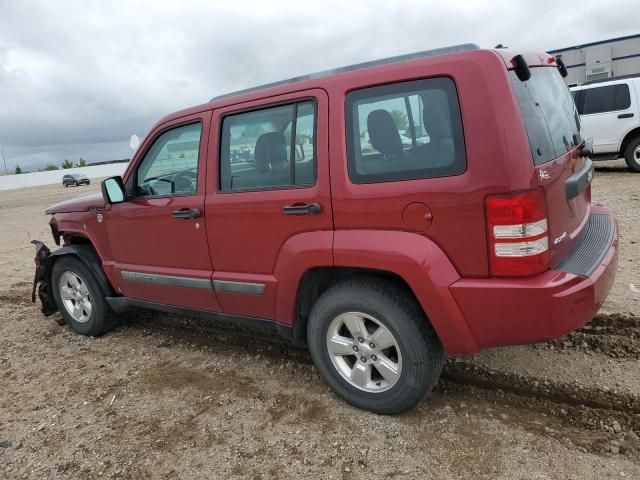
42	279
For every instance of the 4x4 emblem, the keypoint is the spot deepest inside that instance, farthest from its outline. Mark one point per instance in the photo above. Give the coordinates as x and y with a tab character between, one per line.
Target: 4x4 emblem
544	175
560	239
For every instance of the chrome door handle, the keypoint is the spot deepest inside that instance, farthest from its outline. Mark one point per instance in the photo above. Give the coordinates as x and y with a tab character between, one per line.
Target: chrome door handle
302	209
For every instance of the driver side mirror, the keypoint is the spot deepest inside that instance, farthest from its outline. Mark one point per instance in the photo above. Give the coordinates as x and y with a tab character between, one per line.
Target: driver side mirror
113	190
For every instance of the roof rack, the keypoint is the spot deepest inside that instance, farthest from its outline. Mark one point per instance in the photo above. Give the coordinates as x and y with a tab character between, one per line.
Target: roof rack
611	79
374	63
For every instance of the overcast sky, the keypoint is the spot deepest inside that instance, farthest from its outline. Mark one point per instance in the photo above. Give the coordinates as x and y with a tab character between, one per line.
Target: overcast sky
78	78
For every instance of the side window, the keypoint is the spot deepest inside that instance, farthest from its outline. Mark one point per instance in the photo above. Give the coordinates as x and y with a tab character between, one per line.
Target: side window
405	131
268	148
170	167
604	99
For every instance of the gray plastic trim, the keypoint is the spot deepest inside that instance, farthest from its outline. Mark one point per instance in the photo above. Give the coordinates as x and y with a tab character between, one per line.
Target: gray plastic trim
591	249
239	287
171	280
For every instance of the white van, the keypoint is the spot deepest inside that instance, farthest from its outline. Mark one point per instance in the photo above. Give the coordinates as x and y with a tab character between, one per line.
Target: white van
610	114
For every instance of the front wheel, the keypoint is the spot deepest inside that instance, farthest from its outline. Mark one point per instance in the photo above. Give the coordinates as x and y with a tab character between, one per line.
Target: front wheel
80	299
632	155
373	345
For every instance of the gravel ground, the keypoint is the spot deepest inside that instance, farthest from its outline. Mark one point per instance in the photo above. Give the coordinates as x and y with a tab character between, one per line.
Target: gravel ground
168	397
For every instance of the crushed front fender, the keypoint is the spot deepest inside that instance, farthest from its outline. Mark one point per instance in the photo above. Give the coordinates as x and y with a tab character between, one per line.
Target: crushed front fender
42	279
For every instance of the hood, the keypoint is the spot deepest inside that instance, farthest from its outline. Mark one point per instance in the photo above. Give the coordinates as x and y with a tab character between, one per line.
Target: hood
83	203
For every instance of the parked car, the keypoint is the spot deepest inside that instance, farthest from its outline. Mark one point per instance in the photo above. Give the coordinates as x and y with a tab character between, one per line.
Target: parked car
75	179
610	114
379	255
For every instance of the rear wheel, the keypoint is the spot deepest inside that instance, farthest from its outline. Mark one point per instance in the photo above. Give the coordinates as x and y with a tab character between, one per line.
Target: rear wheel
632	155
80	299
373	345
75	184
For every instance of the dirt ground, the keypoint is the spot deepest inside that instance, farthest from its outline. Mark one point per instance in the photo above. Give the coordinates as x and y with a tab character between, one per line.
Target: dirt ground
170	397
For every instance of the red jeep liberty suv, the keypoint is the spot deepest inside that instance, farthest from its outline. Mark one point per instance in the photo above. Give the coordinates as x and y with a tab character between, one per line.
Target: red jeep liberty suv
382	214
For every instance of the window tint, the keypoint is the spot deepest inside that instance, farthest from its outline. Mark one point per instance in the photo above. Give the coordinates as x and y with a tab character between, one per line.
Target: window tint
257	148
548	111
604	99
405	131
170	167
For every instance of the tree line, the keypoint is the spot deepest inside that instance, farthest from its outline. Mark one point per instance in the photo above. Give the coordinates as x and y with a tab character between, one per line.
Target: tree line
50	166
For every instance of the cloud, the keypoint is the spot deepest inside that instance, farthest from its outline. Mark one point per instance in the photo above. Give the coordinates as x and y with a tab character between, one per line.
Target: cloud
78	78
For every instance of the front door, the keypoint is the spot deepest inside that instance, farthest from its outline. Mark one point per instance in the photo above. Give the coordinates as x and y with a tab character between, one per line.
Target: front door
269	187
158	238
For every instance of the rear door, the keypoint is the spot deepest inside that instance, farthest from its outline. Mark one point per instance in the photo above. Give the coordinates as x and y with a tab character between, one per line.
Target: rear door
553	127
606	114
269	182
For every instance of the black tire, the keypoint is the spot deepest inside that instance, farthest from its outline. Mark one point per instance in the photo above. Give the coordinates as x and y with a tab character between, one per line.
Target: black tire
75	184
631	156
394	308
101	318
65	184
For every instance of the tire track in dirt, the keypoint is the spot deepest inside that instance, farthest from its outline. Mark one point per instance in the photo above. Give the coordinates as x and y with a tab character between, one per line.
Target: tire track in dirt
592	418
615	335
597	430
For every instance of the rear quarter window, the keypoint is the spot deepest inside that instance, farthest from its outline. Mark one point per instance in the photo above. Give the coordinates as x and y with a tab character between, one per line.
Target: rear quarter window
404	131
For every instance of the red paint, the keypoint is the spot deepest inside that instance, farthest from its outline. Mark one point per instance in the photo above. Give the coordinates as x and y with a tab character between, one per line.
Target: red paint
506	312
432	232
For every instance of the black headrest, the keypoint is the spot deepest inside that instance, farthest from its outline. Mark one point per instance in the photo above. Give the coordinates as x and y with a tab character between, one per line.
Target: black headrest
436	122
383	134
270	151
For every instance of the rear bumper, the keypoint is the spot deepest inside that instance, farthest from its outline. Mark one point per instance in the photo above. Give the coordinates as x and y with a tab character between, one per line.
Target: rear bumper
519	311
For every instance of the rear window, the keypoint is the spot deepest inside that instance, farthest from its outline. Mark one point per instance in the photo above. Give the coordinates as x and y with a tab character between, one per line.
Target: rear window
404	131
603	99
549	113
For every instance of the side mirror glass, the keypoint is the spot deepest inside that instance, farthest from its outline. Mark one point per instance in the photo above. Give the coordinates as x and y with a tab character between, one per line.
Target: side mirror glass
113	190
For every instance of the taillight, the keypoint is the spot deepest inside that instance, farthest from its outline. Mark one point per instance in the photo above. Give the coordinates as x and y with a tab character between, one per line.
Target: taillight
518	233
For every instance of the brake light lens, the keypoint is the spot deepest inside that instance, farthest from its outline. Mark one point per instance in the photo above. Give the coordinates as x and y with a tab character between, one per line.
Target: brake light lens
518	233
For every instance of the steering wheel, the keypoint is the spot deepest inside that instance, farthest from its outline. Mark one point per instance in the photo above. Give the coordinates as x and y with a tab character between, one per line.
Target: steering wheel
183	182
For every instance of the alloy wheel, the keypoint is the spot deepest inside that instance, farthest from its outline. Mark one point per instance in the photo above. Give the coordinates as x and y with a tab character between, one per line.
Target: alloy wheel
364	352
75	296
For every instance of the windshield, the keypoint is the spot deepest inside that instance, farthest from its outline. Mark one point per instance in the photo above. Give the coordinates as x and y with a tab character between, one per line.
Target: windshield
549	113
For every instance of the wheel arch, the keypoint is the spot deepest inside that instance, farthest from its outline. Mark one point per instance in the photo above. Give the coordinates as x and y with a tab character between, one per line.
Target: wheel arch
409	260
633	133
315	281
84	251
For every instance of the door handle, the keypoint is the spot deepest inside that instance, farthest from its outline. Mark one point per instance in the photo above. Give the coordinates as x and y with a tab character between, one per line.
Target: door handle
302	209
186	213
625	115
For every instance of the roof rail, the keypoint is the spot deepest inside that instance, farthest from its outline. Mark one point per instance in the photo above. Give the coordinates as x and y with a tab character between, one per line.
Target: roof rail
611	79
374	63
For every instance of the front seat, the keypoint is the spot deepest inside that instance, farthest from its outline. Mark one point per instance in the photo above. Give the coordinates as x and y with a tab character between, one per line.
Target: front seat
272	160
383	134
